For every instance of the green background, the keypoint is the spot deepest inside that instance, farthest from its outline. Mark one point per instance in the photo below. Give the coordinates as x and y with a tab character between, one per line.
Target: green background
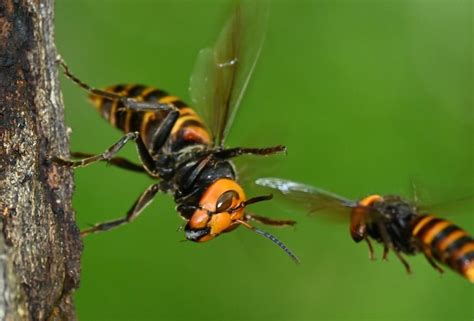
369	96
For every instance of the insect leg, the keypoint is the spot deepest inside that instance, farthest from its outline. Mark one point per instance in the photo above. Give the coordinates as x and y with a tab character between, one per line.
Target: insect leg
148	164
146	158
371	249
144	199
116	161
404	262
388	244
429	257
107	155
131	103
163	131
239	151
433	263
385	252
268	221
127	101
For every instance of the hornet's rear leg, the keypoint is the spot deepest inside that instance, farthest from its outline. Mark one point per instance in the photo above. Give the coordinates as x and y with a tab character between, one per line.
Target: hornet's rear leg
159	137
126	101
427	252
433	263
163	131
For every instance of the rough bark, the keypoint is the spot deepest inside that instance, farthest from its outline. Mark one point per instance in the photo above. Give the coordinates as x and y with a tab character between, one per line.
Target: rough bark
40	246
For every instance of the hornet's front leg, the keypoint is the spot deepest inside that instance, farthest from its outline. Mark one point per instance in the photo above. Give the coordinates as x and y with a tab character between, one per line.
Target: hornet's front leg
371	249
388	244
143	200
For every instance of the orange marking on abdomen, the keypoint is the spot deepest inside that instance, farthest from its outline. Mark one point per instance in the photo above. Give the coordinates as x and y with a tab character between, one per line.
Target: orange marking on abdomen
146	91
443	244
113	110
181	120
425	220
96	101
468	247
432	232
197	134
468	271
149	116
168	99
128	115
187	111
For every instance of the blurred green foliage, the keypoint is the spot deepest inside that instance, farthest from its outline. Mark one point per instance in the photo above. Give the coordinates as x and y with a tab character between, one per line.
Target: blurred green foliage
367	95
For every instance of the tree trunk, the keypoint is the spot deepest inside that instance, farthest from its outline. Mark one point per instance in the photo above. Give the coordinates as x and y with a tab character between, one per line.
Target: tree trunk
40	246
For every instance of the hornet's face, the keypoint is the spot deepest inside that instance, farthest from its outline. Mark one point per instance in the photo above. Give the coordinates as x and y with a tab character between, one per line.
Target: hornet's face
220	209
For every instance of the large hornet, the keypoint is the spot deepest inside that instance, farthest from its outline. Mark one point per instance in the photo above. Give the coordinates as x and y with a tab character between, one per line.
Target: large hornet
174	143
400	226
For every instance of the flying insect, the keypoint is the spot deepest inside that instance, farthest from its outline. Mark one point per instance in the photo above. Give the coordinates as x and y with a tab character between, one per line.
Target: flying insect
180	149
398	225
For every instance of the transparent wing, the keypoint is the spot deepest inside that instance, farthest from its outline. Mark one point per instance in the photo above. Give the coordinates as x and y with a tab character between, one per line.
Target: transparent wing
436	200
448	208
222	73
312	198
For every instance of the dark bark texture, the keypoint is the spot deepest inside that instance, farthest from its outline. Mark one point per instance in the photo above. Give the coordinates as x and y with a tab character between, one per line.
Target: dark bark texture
40	246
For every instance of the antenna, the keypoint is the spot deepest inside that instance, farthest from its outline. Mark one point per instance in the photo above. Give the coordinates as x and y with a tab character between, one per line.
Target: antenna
252	200
271	238
257	199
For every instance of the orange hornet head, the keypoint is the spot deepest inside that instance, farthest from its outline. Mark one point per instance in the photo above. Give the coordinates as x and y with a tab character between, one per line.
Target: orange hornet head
221	209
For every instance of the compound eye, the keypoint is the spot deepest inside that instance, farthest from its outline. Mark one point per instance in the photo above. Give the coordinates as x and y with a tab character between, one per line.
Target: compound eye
225	201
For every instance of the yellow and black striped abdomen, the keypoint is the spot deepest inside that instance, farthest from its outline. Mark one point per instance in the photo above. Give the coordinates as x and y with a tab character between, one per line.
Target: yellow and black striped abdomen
447	243
189	128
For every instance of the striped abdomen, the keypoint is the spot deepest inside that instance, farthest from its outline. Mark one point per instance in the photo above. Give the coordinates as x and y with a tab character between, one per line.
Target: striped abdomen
188	130
447	243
